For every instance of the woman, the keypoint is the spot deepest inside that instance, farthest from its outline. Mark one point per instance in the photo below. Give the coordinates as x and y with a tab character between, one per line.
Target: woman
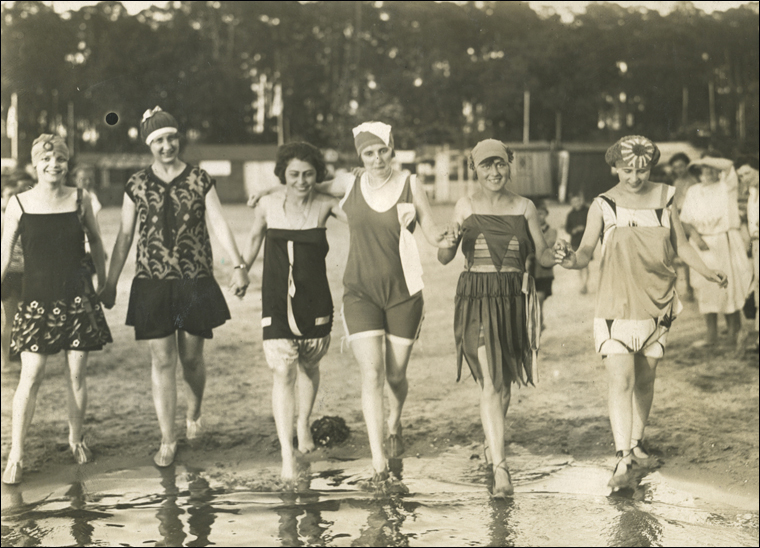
710	216
636	301
14	277
297	308
175	302
496	318
59	308
382	299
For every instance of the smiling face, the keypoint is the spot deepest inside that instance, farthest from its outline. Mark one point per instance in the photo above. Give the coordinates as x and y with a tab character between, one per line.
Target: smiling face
52	167
633	179
165	148
377	160
300	177
493	173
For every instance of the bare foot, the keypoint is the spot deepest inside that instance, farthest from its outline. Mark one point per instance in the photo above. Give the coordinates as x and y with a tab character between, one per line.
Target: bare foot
305	441
289	471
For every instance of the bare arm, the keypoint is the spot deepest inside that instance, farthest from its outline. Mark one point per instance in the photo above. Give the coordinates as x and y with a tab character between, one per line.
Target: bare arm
120	251
10	233
216	222
544	254
576	260
256	237
461	211
93	237
433	233
688	254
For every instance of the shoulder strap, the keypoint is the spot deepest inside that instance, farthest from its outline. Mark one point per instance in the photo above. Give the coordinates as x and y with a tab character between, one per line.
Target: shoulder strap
19	204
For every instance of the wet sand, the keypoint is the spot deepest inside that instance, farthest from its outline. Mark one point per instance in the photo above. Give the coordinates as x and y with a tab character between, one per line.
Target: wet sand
703	426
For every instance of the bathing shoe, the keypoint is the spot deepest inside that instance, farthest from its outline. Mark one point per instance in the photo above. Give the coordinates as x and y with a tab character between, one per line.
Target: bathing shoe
13	473
623	479
395	445
81	452
503	491
165	455
194	428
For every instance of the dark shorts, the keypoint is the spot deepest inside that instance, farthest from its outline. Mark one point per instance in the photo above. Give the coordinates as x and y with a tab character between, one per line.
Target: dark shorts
12	285
544	285
157	308
363	318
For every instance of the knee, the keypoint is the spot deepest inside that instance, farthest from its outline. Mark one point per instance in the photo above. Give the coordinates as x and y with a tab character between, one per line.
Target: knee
396	378
163	361
191	363
622	383
284	373
645	381
373	378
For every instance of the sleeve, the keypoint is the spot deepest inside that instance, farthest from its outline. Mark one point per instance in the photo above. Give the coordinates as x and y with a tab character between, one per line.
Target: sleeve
687	209
206	180
129	188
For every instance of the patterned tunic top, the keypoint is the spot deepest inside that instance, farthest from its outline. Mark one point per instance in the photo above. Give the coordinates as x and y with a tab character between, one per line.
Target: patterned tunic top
174	241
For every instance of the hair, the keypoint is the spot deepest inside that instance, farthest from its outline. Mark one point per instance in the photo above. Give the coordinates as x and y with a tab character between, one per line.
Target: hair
488	162
751	161
299	151
679	156
540	203
577	194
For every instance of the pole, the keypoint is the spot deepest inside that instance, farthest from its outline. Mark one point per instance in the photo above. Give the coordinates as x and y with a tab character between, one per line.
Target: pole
14	135
71	130
684	108
713	120
526	116
558	126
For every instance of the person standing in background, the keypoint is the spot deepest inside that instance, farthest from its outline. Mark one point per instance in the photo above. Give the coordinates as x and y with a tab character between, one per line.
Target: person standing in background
575	225
747	171
544	276
682	180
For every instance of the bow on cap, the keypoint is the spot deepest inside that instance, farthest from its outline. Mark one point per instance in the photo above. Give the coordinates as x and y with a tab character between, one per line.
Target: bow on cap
150	112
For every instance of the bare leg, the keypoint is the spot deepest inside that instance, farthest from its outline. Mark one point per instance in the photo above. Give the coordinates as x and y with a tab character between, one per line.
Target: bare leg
368	352
193	371
621	373
493	407
396	361
734	324
712	328
583	272
77	393
308	384
541	298
283	408
24	401
643	393
163	354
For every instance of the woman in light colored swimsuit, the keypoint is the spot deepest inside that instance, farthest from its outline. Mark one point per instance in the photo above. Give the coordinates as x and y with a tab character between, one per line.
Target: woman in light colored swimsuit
636	301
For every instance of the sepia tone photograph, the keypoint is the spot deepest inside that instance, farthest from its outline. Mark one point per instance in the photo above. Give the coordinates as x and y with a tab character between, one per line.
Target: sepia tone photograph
380	273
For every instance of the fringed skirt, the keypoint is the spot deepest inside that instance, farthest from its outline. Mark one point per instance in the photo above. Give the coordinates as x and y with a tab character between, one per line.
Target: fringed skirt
498	311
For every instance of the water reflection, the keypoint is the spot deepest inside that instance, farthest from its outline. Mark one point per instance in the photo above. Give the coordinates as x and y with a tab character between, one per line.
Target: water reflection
169	524
500	532
633	526
81	528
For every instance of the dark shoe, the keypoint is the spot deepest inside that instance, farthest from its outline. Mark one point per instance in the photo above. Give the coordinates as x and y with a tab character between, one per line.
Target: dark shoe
621	474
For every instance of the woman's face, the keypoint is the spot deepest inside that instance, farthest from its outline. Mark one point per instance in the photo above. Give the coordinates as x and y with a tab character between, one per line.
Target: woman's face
748	175
493	174
633	179
680	168
377	159
542	215
52	167
300	177
709	175
165	148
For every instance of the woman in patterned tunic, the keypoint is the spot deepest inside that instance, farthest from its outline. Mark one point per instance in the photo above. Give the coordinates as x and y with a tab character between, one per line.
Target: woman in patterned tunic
497	319
636	301
175	301
59	308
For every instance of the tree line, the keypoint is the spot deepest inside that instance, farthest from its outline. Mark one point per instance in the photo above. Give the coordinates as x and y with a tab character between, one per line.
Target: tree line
440	73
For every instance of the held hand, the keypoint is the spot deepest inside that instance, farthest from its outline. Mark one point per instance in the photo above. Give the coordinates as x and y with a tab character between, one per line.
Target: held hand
453	234
563	254
107	296
718	277
239	282
254	199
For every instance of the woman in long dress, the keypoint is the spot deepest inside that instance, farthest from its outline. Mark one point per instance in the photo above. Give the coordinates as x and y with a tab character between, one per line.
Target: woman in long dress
710	216
636	300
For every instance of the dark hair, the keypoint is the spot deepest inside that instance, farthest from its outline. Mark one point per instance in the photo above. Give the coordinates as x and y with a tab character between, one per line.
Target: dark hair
488	162
540	203
577	194
679	156
299	151
750	161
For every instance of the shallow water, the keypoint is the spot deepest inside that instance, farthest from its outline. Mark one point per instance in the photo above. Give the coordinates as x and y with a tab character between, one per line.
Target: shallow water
557	503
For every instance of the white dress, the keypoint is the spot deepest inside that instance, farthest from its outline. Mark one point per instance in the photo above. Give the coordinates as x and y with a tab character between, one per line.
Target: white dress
713	210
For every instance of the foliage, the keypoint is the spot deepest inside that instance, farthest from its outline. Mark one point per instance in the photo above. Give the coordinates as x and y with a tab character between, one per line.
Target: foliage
439	72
